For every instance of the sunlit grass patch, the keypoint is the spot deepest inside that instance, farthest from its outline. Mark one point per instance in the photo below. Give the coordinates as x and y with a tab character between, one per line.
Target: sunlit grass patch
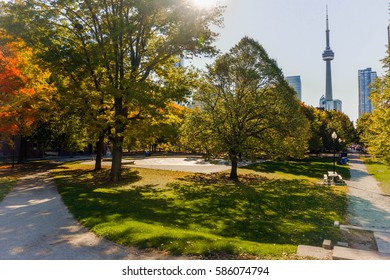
381	172
189	241
311	168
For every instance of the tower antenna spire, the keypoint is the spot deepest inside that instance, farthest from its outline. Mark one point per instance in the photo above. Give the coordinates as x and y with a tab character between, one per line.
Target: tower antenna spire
388	32
327	18
327	29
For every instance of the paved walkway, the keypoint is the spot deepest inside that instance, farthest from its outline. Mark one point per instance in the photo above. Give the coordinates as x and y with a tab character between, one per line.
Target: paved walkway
35	224
185	164
368	206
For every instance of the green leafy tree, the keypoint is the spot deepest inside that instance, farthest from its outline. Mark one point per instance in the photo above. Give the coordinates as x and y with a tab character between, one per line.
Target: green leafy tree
196	134
63	136
323	124
160	129
363	125
248	107
375	128
340	123
316	122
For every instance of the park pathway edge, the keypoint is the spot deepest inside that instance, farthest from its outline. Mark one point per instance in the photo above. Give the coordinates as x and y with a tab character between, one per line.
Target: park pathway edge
35	224
368	206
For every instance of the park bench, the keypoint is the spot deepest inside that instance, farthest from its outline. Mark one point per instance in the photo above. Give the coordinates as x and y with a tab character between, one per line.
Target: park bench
333	178
326	180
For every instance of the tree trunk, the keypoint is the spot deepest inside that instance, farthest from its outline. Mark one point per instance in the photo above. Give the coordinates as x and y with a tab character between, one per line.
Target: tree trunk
116	167
99	153
117	141
233	171
22	149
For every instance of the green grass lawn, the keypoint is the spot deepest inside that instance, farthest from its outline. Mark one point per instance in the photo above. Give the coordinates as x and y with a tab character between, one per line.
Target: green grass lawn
381	172
5	185
311	168
265	216
7	180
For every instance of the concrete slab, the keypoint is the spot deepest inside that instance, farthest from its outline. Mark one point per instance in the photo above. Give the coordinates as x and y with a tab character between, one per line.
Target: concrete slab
383	242
314	252
342	244
342	253
374	229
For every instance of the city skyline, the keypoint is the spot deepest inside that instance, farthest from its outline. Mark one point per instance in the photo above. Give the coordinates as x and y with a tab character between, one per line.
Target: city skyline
292	32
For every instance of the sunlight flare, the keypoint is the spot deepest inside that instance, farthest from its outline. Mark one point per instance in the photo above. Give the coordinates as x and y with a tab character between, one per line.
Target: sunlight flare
204	3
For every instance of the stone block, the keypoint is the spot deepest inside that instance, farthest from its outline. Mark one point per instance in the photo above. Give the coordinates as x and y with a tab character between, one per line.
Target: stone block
327	244
342	244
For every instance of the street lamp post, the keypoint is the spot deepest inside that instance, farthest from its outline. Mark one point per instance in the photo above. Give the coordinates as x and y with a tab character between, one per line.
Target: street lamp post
334	137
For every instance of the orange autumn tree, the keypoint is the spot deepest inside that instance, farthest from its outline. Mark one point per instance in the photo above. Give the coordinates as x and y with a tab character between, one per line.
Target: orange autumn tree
24	91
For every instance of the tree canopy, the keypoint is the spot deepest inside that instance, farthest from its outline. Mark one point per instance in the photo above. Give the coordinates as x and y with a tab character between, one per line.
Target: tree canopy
323	124
25	90
247	108
124	50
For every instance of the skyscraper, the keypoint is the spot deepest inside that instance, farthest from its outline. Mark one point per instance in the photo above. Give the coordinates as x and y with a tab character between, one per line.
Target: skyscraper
327	102
366	77
295	83
388	33
388	38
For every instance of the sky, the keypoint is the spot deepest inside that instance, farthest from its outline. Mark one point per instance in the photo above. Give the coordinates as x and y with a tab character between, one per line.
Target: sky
293	33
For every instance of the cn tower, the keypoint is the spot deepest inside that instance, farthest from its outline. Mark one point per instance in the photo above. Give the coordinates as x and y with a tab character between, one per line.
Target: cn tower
328	56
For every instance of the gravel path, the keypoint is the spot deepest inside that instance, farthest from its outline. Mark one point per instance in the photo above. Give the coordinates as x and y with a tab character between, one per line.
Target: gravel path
368	206
35	224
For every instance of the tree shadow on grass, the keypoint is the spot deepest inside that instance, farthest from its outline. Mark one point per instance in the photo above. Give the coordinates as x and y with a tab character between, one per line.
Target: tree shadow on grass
27	168
91	178
270	211
258	210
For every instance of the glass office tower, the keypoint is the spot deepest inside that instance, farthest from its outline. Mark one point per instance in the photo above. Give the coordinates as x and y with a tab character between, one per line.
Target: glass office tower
366	77
295	83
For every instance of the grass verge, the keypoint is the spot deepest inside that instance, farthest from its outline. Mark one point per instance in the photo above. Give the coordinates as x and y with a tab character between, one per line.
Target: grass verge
381	172
264	216
7	180
6	184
